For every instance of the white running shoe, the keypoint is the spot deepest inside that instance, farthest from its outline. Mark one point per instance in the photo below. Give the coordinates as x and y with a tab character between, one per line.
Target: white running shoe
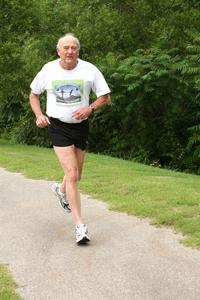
82	234
61	197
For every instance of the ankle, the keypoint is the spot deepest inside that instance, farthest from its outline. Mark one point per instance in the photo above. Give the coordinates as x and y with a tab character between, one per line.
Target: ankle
61	189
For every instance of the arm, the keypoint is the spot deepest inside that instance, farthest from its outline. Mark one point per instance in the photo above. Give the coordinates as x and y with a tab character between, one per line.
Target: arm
100	102
41	120
85	112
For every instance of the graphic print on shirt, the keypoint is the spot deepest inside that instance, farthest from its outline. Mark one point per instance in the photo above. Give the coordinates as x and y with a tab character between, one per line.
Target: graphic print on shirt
68	92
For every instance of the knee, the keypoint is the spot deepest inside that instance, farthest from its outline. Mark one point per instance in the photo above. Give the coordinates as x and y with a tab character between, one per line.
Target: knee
72	174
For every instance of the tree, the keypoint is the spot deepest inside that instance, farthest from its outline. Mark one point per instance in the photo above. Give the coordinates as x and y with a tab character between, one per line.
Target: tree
17	21
190	69
151	109
140	45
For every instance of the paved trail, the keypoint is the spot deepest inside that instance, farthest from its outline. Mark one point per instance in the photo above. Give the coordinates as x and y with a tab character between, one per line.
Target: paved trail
128	259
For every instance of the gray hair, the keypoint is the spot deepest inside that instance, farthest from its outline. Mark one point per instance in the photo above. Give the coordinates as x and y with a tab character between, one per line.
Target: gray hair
70	35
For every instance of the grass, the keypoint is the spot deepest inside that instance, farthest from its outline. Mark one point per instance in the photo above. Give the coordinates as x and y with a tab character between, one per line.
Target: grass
166	197
7	285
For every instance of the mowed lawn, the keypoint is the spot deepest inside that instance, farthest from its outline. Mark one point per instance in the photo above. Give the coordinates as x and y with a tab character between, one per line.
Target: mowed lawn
166	197
7	285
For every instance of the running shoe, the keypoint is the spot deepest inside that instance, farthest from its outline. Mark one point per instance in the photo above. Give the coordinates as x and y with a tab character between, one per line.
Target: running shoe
61	197
82	234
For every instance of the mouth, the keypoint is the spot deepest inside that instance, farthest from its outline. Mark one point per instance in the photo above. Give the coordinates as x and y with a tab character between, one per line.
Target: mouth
69	58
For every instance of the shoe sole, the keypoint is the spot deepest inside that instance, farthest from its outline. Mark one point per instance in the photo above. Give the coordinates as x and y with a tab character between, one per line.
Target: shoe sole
83	241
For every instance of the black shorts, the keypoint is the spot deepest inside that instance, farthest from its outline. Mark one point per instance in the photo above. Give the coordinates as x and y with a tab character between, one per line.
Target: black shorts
66	134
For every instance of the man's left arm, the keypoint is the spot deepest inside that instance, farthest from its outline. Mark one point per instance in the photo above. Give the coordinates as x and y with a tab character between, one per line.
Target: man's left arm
85	112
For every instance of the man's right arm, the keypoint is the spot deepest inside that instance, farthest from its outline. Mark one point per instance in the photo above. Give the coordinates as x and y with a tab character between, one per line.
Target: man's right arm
41	120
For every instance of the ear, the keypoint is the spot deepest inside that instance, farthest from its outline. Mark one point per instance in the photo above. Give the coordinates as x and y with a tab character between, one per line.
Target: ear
58	51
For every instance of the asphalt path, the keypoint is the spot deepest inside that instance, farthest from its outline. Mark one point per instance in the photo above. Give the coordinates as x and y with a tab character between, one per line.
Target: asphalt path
127	258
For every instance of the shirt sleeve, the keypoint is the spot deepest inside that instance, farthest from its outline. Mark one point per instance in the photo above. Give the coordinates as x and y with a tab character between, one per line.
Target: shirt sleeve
100	86
38	84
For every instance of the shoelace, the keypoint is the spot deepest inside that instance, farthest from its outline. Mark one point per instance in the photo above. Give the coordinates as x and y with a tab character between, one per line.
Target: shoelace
64	200
62	196
81	230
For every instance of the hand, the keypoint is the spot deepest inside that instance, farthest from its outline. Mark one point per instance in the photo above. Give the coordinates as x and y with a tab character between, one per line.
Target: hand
42	121
82	113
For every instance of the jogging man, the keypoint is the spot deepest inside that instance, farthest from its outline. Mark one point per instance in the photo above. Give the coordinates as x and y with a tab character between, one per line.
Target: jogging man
68	82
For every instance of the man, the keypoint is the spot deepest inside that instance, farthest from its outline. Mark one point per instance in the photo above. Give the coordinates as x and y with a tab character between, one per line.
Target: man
68	82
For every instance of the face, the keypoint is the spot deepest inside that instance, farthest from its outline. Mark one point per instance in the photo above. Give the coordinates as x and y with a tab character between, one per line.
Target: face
68	52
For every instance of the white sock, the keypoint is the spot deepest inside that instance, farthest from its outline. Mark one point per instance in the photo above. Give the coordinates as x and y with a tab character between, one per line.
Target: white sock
61	193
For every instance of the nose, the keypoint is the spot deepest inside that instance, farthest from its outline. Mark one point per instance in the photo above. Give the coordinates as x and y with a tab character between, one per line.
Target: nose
70	50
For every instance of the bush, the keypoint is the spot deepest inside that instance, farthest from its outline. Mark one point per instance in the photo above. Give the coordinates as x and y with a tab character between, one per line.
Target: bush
151	109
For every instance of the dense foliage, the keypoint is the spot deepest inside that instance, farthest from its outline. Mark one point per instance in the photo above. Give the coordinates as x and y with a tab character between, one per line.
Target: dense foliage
149	52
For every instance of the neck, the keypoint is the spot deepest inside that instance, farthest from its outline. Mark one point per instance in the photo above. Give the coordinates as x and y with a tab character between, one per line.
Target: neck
68	66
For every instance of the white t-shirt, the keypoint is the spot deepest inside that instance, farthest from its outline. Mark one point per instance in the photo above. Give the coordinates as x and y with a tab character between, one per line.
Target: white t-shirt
68	90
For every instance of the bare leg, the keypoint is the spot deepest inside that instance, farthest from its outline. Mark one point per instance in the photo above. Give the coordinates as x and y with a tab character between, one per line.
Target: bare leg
63	185
71	161
80	154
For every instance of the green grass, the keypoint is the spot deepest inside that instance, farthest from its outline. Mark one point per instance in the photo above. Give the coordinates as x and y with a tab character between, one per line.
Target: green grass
167	197
7	285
